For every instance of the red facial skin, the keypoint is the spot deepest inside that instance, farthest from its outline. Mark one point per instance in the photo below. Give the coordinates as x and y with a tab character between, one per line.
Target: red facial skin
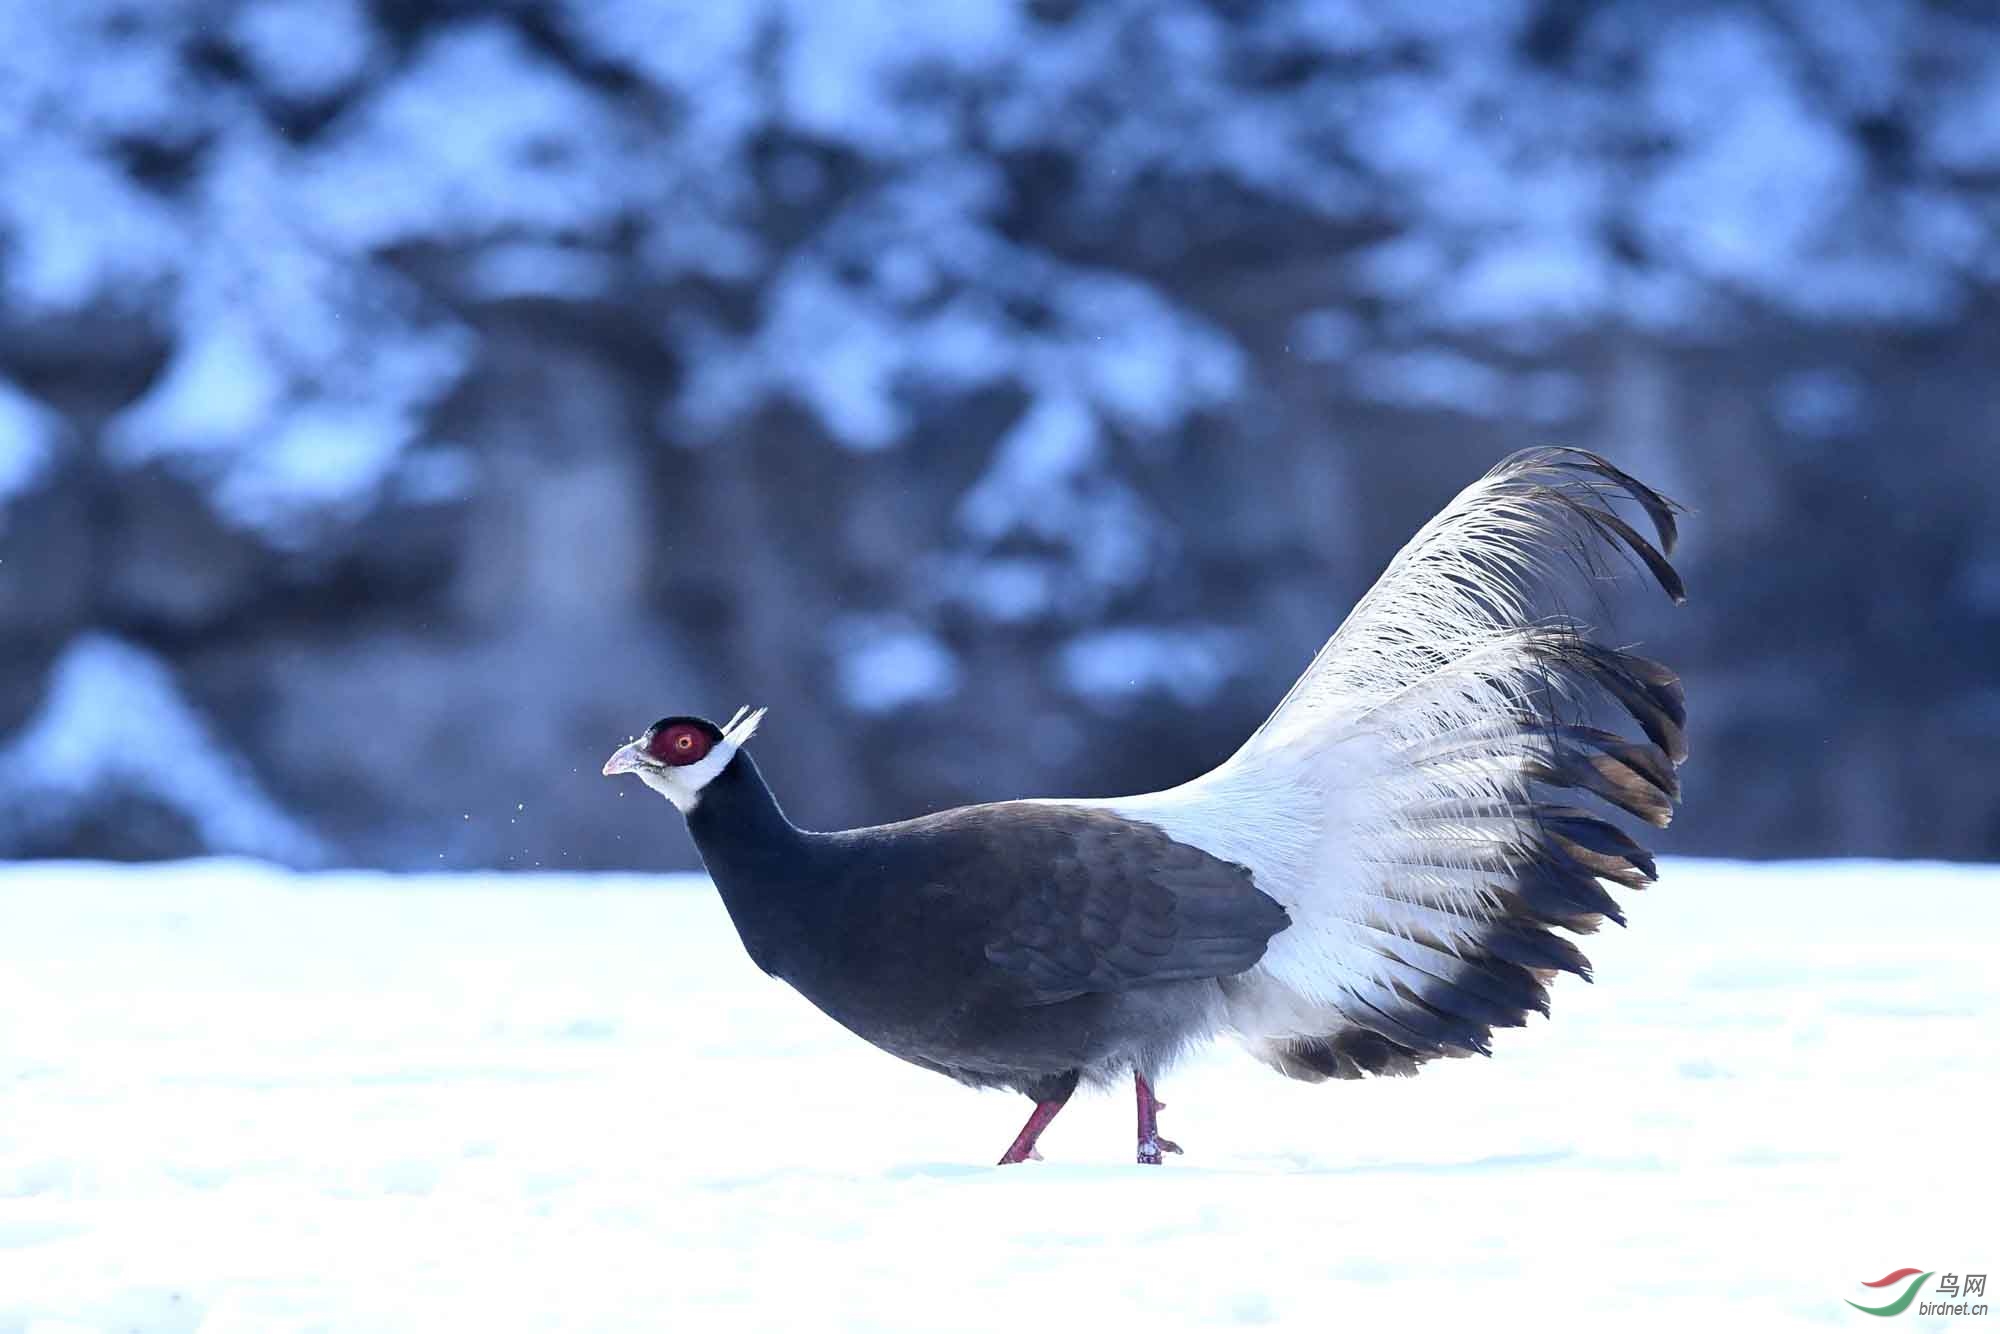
678	745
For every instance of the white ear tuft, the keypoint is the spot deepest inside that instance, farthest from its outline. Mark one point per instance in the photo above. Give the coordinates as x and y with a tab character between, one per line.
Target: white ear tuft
742	726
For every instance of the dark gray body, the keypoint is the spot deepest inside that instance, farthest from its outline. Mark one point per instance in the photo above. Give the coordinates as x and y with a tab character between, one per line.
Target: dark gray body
1023	945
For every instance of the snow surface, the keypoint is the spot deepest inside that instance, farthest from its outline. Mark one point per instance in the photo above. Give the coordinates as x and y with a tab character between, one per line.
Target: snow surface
1119	665
82	751
238	1099
305	49
887	663
30	436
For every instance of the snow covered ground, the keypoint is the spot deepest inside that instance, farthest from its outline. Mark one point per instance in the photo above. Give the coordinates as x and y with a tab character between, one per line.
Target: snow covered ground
234	1099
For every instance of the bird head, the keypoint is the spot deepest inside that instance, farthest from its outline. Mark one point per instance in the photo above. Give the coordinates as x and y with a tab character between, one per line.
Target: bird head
678	757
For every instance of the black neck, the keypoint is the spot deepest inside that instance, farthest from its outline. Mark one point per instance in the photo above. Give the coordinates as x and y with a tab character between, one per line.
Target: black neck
762	863
739	828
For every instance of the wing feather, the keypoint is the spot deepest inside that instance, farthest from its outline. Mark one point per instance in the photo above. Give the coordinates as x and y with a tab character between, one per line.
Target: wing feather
1399	800
1119	904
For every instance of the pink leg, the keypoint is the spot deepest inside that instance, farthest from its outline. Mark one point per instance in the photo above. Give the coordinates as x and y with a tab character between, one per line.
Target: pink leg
1023	1147
1151	1146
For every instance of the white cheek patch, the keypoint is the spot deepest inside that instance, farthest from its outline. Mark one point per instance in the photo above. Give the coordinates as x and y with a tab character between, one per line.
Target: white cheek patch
682	786
667	782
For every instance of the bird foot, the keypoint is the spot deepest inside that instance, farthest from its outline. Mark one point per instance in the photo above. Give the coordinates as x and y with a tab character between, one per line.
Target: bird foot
1151	1143
1023	1148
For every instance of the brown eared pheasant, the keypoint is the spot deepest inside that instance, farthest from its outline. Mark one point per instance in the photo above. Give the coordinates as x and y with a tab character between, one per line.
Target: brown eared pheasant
1377	877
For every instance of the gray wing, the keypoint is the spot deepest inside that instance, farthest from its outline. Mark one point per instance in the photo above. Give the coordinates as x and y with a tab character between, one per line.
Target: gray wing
1117	904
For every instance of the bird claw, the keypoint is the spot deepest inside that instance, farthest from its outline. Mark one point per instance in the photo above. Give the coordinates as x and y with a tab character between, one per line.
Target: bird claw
1151	1143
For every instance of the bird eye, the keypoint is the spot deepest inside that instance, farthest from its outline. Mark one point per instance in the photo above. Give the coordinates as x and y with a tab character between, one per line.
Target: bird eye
679	743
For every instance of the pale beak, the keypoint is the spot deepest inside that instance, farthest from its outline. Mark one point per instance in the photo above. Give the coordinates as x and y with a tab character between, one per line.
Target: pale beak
628	758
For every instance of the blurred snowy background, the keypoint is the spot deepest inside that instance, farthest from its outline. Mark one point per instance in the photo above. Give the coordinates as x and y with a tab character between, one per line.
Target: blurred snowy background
403	402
